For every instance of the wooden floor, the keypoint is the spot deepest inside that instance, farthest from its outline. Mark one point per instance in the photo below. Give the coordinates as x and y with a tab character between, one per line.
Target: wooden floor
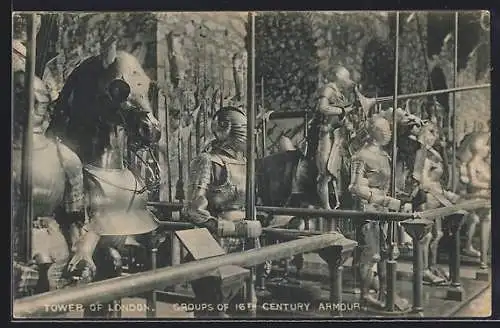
476	303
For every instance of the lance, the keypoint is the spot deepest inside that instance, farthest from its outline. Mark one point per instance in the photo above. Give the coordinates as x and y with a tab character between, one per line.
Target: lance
221	99
27	154
179	187
264	118
189	130
167	149
197	103
205	93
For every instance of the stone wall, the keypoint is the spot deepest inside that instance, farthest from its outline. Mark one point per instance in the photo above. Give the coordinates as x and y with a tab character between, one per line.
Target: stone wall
80	36
295	49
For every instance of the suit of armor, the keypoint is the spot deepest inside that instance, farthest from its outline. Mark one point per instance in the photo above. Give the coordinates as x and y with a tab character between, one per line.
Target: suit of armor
58	197
428	171
475	174
331	118
217	194
370	182
223	178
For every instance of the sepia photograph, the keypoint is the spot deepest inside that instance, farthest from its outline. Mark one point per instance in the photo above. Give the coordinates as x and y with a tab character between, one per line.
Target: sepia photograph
272	165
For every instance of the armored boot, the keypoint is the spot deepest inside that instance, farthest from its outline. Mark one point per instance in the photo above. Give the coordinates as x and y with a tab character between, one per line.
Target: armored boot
469	250
366	277
323	192
429	277
382	278
437	234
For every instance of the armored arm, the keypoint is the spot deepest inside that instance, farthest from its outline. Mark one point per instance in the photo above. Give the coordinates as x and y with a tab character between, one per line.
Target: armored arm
359	187
325	107
474	180
196	210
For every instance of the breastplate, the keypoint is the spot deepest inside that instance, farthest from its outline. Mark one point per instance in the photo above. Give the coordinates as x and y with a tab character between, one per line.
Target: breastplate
231	195
117	189
48	177
377	171
116	203
483	175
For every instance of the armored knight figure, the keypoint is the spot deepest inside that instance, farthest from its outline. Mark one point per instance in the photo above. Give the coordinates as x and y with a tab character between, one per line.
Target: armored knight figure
427	172
333	106
216	193
475	175
370	182
58	197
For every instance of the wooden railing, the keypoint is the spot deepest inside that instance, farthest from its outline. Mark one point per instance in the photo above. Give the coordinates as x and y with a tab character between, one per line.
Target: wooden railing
112	289
417	225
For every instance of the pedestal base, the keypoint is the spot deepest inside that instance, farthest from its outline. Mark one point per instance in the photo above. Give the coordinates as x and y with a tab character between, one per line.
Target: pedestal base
483	275
291	289
455	294
263	294
401	307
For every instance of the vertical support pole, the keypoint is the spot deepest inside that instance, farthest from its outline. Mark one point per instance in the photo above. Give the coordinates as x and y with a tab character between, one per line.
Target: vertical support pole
417	276
264	120
392	263
151	301
454	105
27	159
250	180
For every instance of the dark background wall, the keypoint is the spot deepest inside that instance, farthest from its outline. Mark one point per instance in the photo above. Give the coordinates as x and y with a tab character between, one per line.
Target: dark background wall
293	52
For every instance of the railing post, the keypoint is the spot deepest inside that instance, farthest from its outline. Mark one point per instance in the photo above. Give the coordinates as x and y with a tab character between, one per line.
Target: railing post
335	256
151	300
455	291
417	229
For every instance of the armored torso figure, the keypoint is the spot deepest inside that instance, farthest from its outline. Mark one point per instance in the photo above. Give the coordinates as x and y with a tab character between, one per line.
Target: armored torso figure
216	201
58	204
475	176
216	194
333	106
427	172
370	182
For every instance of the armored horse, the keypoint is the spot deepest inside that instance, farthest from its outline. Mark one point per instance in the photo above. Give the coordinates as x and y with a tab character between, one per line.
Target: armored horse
103	111
57	191
288	178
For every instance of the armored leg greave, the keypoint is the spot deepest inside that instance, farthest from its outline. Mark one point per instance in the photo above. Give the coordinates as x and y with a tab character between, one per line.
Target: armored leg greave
323	192
437	234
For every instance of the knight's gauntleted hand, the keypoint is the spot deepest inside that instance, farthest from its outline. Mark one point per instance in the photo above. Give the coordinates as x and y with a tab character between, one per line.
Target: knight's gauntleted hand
244	229
81	260
392	203
252	229
226	228
452	197
348	109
